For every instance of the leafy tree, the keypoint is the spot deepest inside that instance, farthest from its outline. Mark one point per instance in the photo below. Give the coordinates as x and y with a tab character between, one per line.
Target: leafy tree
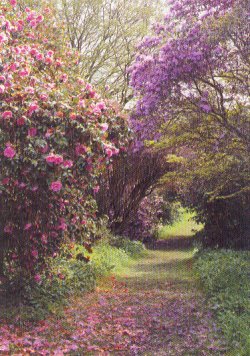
192	79
105	32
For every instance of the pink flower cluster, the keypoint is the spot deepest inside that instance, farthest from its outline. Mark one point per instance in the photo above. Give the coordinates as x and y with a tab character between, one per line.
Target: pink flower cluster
56	186
54	159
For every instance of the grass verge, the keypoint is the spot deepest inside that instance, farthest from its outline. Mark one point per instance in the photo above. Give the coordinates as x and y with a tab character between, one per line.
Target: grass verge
225	278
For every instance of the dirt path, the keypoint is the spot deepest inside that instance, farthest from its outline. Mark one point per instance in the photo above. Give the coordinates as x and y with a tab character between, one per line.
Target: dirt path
150	308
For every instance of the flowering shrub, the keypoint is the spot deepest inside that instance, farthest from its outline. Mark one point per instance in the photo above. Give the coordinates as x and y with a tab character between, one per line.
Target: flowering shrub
152	212
56	135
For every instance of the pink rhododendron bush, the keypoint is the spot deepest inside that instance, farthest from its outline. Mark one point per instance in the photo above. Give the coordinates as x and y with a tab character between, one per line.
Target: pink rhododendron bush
56	136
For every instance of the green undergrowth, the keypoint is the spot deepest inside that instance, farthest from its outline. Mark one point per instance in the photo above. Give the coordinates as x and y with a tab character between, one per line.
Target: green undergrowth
225	277
184	226
71	273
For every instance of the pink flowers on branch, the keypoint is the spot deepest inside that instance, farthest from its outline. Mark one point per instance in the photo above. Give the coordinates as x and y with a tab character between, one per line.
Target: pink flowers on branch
9	152
54	159
55	128
56	186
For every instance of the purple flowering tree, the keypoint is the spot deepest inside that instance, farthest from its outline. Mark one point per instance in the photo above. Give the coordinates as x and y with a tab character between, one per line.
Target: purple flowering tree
192	83
197	64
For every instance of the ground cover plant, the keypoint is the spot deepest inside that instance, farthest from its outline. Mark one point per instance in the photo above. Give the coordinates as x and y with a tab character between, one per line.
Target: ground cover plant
225	277
70	273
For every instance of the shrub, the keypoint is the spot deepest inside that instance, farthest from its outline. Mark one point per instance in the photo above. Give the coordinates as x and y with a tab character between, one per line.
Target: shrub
105	258
225	277
132	248
71	273
153	211
56	136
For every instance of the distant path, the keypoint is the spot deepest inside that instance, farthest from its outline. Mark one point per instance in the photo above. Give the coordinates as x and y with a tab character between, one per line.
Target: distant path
152	308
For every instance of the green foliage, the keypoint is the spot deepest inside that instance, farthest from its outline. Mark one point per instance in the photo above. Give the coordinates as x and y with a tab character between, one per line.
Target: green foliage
132	248
71	273
66	277
225	277
105	258
183	226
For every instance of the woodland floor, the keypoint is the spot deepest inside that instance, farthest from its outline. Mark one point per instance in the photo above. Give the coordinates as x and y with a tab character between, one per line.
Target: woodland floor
152	307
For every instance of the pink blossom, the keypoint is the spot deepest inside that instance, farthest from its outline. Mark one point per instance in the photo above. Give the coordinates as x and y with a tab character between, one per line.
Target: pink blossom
63	227
21	121
20	25
9	152
49	133
84	222
31	16
72	116
32	132
52	158
109	152
7	115
2	78
38	278
82	103
24	73
5	180
33	52
47	10
29	90
8	229
39	56
50	53
101	105
27	227
44	97
2	89
88	87
96	110
56	186
48	60
64	78
32	108
58	62
40	18
33	23
34	253
68	163
115	151
104	127
44	239
44	149
80	149
3	37
96	189
80	81
93	94
13	2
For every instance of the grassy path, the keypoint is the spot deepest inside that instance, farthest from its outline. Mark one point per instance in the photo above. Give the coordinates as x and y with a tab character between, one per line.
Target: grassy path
151	307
